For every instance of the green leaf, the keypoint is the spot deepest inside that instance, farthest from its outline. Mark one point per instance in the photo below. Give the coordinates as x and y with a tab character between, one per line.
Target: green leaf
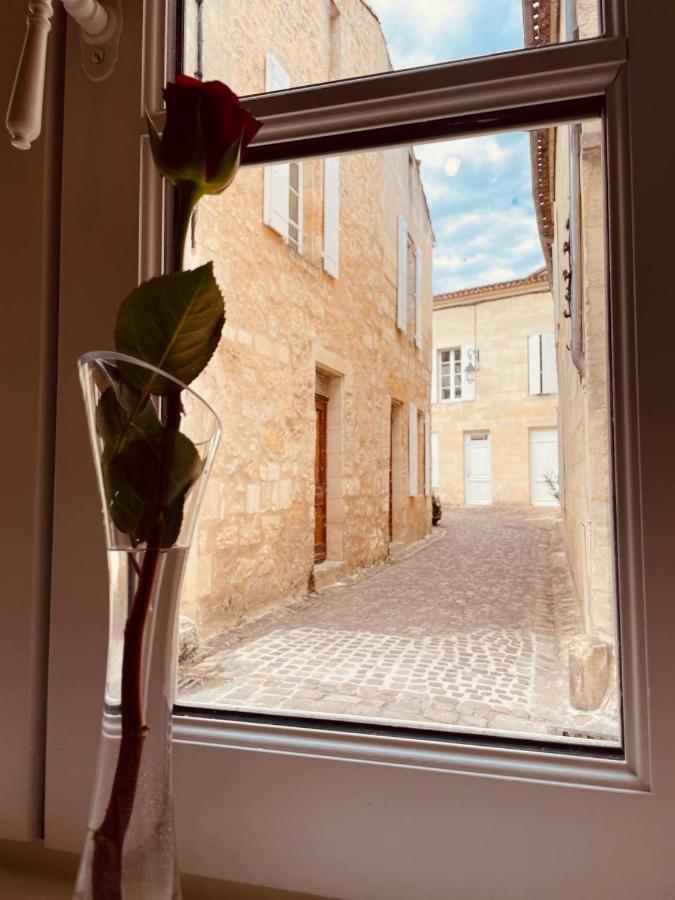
173	322
147	469
122	414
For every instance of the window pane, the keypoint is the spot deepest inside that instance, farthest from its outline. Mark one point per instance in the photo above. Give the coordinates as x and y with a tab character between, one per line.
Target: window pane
318	586
314	41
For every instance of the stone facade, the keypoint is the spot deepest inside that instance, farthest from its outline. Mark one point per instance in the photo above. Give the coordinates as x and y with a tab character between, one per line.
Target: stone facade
496	321
585	465
288	318
570	203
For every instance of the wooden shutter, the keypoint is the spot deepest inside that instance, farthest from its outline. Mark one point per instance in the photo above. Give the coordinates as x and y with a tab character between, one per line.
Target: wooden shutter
427	455
277	177
412	450
549	374
418	297
468	354
534	363
402	273
434	460
331	215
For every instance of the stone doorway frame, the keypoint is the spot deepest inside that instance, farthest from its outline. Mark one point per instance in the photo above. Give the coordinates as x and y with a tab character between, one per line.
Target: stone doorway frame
334	369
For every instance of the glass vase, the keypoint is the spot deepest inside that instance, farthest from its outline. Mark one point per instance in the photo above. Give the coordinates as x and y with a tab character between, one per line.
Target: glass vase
151	483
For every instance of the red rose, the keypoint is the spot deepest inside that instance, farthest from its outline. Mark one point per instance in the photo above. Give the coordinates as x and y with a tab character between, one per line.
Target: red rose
206	134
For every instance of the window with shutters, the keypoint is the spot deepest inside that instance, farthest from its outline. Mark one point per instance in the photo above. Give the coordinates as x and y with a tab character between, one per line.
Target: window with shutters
331	215
411	286
402	275
283	200
543	378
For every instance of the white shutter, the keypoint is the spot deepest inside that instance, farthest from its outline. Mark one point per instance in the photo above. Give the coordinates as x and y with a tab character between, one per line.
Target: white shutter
434	460
534	363
549	374
402	273
418	297
277	177
331	215
301	200
427	454
434	375
412	450
468	387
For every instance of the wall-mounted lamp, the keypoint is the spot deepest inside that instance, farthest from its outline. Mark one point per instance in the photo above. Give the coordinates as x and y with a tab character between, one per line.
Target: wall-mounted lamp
471	367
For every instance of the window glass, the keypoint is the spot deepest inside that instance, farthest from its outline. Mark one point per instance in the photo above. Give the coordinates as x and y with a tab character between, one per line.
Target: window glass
318	585
264	45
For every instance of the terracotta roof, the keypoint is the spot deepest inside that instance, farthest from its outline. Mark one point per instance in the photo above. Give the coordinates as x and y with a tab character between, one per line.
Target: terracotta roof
534	282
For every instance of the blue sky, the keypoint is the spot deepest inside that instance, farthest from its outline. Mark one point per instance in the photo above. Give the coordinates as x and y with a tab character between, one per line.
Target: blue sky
479	189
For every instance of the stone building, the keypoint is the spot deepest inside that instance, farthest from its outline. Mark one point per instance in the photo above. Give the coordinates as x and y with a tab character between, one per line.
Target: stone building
568	165
494	395
321	379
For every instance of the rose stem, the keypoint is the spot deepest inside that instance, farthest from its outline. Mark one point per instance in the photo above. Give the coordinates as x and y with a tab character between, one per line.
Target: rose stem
109	836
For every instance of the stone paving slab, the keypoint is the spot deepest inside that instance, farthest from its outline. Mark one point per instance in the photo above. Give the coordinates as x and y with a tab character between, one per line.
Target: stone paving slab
470	632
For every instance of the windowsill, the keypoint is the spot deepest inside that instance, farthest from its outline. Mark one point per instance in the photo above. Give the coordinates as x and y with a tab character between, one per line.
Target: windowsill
33	872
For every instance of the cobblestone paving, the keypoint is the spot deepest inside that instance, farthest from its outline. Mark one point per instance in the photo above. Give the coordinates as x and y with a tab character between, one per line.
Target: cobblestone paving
468	630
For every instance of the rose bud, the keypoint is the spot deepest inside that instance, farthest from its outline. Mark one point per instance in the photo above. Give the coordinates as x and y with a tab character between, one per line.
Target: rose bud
206	134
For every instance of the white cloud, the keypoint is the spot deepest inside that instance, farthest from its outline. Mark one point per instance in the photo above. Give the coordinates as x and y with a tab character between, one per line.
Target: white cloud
478	188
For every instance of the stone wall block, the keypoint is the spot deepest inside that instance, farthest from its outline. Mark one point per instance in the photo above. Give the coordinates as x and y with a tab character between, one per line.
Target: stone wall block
589	669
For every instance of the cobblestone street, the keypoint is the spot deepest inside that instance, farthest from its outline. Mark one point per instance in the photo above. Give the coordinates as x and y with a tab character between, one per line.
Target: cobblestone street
468	630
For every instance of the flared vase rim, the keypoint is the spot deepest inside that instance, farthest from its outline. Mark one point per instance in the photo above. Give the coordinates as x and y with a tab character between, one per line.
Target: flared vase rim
93	356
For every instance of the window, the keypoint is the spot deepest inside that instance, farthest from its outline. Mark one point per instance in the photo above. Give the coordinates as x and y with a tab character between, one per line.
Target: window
402	277
450	374
543	378
392	35
331	215
283	200
213	752
409	305
411	288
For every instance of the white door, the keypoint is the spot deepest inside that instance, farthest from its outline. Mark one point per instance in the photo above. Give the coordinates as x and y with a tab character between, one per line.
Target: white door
477	469
544	466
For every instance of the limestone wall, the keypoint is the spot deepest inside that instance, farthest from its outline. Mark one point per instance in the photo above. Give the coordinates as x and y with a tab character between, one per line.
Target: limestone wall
499	329
584	402
285	317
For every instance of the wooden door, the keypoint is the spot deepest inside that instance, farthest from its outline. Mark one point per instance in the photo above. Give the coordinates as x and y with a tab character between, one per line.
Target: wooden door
320	479
391	475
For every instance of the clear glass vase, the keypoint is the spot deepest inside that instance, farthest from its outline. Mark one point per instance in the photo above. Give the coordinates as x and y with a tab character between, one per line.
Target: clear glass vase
151	484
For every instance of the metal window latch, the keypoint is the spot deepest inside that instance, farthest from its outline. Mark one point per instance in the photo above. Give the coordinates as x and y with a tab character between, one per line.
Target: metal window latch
100	32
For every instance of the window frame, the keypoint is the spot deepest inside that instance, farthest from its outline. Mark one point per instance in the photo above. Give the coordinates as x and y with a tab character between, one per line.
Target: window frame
553	84
561	83
452	362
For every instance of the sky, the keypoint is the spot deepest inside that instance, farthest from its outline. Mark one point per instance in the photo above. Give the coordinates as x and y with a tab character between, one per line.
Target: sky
479	189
